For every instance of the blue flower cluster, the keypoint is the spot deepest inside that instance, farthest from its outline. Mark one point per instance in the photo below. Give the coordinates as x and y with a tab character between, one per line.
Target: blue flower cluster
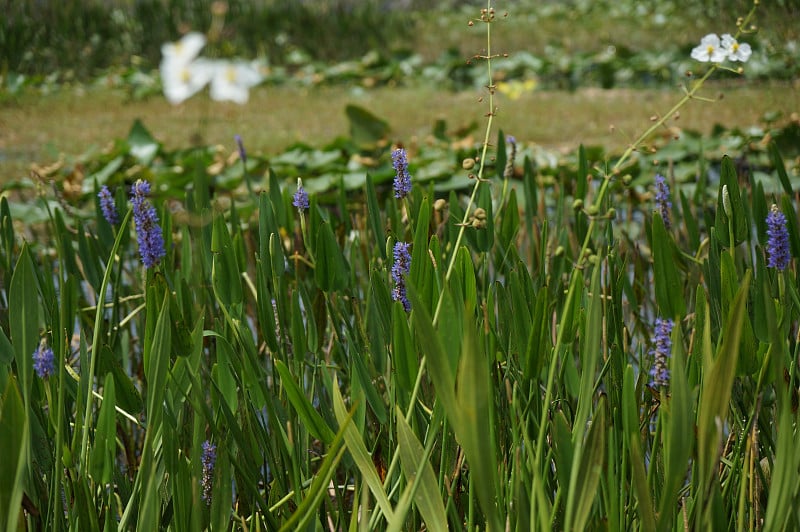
401	268
108	206
300	198
663	201
151	239
44	361
402	179
209	459
661	352
778	255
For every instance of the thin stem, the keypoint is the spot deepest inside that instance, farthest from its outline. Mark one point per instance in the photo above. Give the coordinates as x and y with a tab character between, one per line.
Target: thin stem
98	320
482	163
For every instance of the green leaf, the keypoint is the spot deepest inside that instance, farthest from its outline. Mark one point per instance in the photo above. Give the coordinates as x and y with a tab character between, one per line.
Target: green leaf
312	421
374	400
414	462
15	442
225	274
374	213
331	271
780	168
143	147
588	455
128	397
669	289
158	367
361	457
630	423
729	177
689	221
509	223
485	235
430	341
563	450
718	376
591	466
678	415
475	396
365	127
6	349
783	489
101	459
24	321
501	157
307	510
404	354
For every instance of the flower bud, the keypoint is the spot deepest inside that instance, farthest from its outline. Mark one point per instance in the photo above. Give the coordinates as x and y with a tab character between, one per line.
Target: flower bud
726	202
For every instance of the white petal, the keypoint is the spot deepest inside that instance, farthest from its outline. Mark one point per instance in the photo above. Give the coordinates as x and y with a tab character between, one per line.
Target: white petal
186	49
181	82
232	82
742	53
728	40
710	40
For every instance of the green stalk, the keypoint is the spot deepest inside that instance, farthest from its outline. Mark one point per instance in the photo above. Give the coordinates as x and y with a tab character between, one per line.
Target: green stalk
482	164
98	321
462	228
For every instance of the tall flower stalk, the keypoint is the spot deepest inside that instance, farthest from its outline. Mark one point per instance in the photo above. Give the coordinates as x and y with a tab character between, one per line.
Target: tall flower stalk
209	460
148	230
663	201
662	348
402	179
107	205
778	254
401	268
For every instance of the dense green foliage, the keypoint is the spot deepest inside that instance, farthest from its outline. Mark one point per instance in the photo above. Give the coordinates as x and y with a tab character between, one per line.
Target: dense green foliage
515	394
602	43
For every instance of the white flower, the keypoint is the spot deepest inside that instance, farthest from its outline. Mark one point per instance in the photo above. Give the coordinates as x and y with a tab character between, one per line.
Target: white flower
710	50
232	81
181	75
184	51
736	51
182	81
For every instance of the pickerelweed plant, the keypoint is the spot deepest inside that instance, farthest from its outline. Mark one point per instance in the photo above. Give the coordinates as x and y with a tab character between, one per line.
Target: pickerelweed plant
608	347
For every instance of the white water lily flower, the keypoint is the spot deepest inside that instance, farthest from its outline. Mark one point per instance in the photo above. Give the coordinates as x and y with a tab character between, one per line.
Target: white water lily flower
710	50
184	51
182	81
736	51
232	81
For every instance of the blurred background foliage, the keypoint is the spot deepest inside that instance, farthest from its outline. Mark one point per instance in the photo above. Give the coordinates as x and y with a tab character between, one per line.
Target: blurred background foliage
78	39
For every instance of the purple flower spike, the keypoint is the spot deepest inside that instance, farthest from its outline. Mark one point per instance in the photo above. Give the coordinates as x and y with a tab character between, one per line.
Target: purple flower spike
300	198
44	361
402	179
661	352
151	240
778	255
240	145
401	268
108	206
663	201
209	459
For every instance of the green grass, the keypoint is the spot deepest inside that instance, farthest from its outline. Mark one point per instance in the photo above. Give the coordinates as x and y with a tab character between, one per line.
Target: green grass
71	122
